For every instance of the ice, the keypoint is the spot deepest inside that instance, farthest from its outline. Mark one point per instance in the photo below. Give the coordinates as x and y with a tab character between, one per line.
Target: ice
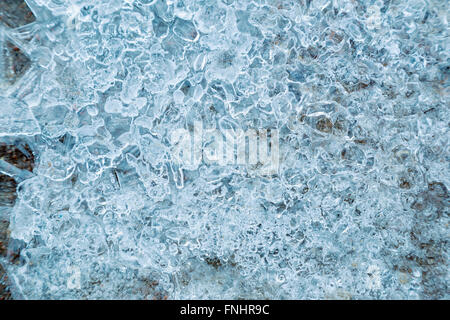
186	30
113	106
16	118
355	91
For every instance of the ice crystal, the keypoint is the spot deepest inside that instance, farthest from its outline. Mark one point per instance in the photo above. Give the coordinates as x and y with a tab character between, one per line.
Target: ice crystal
358	207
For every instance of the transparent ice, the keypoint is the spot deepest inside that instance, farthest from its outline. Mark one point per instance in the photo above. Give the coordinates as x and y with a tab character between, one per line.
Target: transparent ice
358	89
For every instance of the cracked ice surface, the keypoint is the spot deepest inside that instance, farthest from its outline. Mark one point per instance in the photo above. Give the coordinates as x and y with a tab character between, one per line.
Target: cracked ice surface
359	91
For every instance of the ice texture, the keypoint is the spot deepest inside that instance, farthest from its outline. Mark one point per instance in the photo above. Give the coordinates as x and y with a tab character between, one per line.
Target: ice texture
359	91
16	118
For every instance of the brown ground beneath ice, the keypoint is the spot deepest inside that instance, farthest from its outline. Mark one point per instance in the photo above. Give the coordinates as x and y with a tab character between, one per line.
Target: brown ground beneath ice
22	159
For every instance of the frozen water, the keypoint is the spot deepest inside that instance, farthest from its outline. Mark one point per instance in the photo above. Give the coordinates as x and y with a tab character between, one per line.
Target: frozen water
16	118
358	91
